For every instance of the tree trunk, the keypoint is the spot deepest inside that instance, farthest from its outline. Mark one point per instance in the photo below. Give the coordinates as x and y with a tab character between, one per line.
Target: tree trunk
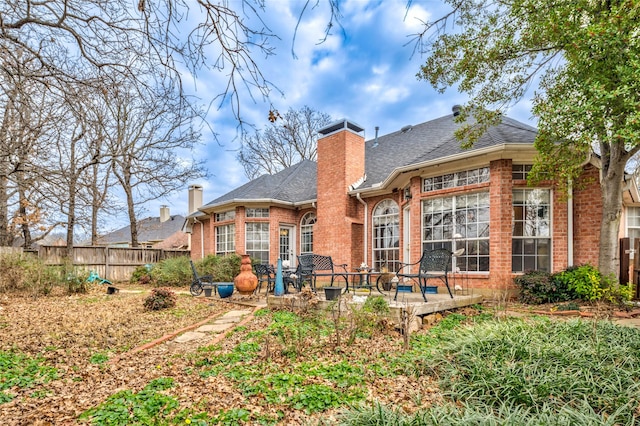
611	186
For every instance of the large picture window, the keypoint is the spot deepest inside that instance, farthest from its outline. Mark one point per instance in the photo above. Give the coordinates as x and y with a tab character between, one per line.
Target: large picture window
386	235
459	222
225	239
531	247
306	233
257	241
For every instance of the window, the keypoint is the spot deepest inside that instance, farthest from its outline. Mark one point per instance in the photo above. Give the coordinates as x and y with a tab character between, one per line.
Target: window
228	215
257	241
262	212
633	224
520	171
459	222
452	180
225	239
306	233
531	246
386	235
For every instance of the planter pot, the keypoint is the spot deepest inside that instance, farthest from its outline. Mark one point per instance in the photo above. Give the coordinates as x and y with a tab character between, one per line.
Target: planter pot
208	291
246	281
225	290
431	289
405	288
332	293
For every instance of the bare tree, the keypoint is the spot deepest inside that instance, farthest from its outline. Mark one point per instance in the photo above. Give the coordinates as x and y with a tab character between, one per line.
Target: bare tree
287	140
150	142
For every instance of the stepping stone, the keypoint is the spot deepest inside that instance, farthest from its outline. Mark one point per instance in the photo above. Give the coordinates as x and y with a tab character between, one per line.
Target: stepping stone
235	314
214	328
188	336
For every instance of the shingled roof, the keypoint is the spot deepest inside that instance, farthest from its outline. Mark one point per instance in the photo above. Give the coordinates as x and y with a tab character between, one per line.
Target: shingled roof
423	142
150	230
292	185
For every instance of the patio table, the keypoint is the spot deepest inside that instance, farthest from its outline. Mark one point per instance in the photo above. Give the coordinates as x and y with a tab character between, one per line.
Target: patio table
362	278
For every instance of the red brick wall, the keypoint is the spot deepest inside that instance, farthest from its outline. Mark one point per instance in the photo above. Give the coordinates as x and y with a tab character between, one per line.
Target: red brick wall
560	238
340	163
587	214
500	231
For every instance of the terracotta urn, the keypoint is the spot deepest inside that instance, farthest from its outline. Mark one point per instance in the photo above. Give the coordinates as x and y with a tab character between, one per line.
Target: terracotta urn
246	281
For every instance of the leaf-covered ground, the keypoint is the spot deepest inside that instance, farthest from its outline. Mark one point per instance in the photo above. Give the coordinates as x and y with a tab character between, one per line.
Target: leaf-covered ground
81	336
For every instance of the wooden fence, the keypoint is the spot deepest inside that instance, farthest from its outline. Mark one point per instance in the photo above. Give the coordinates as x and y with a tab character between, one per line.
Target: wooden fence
112	263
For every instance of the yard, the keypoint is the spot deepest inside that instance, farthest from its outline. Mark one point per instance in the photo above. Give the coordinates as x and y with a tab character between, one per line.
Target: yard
64	360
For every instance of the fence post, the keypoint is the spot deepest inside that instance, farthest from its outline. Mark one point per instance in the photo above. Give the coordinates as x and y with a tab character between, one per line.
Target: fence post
106	263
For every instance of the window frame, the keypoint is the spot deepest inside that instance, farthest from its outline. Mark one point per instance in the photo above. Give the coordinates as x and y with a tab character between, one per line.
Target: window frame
526	245
261	253
229	242
307	224
385	255
476	257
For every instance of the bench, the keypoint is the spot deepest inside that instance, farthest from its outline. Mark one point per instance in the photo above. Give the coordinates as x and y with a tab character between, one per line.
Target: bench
311	266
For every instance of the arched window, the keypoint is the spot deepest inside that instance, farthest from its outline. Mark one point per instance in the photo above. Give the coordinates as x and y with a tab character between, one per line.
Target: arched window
306	232
386	235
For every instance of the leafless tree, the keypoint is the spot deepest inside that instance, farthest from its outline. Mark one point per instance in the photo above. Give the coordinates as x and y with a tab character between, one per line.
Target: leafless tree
150	141
285	141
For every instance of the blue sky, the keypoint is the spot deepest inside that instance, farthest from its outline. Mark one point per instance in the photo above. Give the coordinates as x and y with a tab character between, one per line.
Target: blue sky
365	72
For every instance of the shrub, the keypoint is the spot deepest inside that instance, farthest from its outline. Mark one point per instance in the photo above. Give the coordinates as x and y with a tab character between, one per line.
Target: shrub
536	287
160	298
585	281
77	283
141	275
26	272
172	272
222	268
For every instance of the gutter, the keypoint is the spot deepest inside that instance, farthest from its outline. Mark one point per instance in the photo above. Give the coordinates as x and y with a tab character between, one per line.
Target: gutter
496	149
244	201
366	227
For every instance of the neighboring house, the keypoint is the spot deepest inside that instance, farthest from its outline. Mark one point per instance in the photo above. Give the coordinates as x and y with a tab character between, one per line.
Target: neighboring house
386	200
153	232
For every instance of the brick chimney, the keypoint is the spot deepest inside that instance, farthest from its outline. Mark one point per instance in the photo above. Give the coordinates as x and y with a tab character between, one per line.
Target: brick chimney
164	214
340	163
195	198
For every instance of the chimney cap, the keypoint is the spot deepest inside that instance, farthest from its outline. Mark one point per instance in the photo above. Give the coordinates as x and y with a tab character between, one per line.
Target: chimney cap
342	124
456	110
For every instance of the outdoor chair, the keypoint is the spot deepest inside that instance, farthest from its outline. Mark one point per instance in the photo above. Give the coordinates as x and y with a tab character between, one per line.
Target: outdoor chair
266	274
200	282
432	264
312	266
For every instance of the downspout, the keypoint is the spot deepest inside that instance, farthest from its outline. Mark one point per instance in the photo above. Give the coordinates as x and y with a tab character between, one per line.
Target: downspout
201	237
366	217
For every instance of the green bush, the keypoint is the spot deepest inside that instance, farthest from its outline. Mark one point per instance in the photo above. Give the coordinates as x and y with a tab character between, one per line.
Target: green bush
538	287
172	272
141	275
25	272
77	283
222	268
584	280
160	298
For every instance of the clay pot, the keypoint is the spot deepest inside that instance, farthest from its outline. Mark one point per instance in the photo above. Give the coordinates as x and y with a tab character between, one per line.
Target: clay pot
246	281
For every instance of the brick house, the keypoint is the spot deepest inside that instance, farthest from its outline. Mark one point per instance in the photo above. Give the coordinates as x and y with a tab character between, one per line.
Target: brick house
385	200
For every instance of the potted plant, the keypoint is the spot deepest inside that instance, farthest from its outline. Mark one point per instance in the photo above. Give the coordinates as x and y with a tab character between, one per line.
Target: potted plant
332	293
223	269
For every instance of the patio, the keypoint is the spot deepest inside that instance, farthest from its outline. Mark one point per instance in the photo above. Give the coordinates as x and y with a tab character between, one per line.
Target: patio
412	302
